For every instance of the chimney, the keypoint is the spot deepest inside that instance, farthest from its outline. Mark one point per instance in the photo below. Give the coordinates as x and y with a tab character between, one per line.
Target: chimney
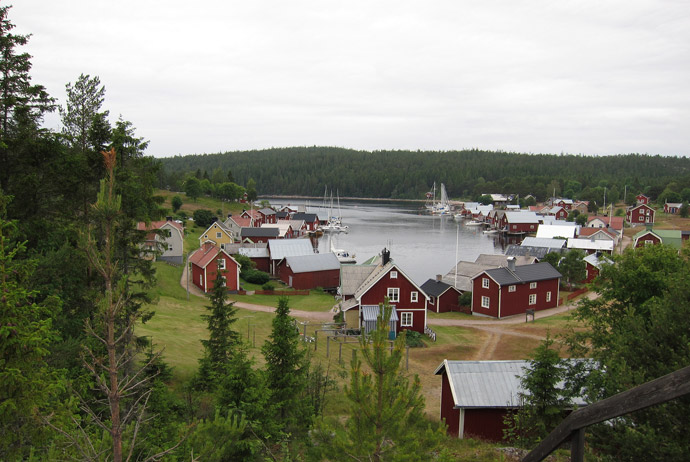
168	218
229	215
511	263
439	277
386	256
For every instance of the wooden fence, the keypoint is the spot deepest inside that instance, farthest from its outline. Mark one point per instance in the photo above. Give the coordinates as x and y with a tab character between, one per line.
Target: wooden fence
661	390
577	293
274	292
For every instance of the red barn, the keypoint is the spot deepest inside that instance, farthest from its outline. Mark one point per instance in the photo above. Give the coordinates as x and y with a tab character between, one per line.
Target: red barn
477	395
502	292
520	222
442	297
387	280
205	264
593	264
310	271
640	214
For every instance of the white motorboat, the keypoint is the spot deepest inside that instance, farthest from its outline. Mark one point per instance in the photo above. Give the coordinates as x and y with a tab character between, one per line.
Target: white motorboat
474	223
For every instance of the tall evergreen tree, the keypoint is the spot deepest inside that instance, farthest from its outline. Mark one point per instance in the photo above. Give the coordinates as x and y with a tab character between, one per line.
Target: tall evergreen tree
218	349
286	368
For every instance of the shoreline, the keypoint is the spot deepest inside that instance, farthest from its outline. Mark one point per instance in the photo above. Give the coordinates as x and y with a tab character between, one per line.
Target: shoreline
372	199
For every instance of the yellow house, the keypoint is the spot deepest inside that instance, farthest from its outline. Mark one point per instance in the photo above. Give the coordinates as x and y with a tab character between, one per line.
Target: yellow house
219	234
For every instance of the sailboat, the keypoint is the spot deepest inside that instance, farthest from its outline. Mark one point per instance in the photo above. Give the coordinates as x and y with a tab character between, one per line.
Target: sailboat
443	205
335	223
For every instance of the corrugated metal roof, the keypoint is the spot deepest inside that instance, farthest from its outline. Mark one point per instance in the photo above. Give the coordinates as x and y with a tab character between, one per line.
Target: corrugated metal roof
521	217
523	273
597	260
313	262
281	248
537	252
371	313
591	244
487	384
253	252
543	242
552	231
502	260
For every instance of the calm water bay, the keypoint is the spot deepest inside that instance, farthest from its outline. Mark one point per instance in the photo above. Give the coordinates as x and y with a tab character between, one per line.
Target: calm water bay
423	245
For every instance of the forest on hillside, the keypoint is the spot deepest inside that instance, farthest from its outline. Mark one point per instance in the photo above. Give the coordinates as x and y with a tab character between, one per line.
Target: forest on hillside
307	171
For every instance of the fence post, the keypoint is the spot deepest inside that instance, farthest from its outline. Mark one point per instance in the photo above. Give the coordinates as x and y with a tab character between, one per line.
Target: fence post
577	445
316	338
328	344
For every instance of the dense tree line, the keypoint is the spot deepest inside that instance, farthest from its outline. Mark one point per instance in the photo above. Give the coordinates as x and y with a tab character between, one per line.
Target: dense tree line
410	174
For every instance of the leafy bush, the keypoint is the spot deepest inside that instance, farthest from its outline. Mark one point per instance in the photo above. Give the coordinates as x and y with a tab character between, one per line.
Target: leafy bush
255	276
413	339
203	217
245	262
465	299
268	286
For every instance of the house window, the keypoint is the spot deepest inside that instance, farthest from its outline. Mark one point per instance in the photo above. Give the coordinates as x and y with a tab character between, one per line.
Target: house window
224	281
511	288
201	280
168	233
406	319
414	296
532	285
533	299
221	263
485	301
394	275
548	296
393	294
218	235
485	283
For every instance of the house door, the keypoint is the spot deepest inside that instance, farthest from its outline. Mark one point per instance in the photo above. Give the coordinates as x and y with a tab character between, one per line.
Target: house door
290	281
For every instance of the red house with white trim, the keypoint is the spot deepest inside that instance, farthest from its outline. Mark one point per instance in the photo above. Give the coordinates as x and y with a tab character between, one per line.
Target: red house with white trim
642	199
520	222
442	297
205	264
303	272
502	292
640	214
387	280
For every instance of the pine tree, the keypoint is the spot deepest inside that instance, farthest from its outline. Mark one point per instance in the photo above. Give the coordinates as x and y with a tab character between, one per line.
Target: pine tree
386	420
286	368
218	349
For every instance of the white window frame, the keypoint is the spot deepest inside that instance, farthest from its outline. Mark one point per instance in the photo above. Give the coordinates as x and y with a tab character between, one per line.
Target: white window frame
548	296
414	296
533	299
394	294
486	302
532	285
406	319
485	283
221	264
511	288
394	275
219	234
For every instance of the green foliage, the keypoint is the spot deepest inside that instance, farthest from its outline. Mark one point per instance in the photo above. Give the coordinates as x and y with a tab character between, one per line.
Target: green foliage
287	368
220	439
552	258
684	211
222	339
465	299
192	187
245	262
572	266
637	330
176	203
386	415
543	401
413	339
268	286
255	276
203	218
485	200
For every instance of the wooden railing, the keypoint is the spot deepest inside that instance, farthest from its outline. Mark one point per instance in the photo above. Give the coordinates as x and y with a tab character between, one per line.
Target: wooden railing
657	391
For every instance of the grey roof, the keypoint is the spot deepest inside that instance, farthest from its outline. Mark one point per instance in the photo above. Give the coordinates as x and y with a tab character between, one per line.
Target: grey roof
521	217
352	276
597	260
282	215
234	248
523	273
502	260
308	217
267	211
254	252
435	288
529	251
487	384
313	262
551	231
259	232
281	248
544	242
371	313
465	271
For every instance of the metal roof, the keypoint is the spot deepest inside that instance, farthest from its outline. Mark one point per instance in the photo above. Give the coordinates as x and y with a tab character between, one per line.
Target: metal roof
313	262
308	217
371	313
672	237
352	276
502	260
521	217
253	252
554	230
259	232
543	242
487	384
591	244
523	273
597	260
281	248
529	251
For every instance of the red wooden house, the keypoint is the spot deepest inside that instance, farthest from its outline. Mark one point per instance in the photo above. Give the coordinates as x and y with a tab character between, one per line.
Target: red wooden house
387	281
672	207
640	214
268	215
520	222
256	218
205	264
476	396
567	204
305	272
593	263
559	212
642	199
310	219
502	292
254	235
442	297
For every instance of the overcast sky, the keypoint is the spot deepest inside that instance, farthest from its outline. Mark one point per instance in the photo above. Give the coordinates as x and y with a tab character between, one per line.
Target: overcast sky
582	77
